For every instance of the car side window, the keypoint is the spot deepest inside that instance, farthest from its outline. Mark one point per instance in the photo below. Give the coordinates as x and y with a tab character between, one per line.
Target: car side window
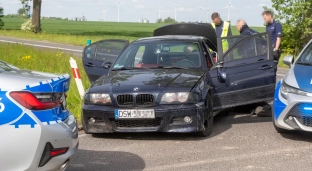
242	50
207	59
90	51
108	50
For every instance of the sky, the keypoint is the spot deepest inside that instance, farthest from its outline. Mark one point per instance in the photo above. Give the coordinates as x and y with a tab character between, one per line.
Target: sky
133	10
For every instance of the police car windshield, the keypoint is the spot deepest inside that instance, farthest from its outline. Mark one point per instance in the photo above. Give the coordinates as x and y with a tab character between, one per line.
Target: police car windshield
306	57
152	55
5	67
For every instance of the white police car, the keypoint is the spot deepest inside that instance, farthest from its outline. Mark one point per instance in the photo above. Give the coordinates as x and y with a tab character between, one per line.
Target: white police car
37	131
293	95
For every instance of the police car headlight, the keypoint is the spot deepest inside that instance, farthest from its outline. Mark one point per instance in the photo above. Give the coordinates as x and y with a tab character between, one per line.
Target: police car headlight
97	98
180	97
285	89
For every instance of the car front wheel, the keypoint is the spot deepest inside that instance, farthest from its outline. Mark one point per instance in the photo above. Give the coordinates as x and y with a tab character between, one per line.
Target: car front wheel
208	123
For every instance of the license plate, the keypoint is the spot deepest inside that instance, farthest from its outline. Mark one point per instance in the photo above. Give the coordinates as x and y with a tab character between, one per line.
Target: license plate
135	114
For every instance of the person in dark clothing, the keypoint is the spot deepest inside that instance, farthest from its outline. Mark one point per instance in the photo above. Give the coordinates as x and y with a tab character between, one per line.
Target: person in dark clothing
244	29
276	30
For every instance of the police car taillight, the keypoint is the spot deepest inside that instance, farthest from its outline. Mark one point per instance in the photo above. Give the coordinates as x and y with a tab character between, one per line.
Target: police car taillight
31	102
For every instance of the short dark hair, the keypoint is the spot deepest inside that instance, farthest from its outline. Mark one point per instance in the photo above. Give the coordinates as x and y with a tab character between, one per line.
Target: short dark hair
215	15
268	12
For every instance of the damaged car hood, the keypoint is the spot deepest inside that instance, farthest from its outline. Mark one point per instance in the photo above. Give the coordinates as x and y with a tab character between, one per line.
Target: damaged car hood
147	80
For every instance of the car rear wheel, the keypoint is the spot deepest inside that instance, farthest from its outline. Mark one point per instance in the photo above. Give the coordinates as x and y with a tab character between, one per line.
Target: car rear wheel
208	123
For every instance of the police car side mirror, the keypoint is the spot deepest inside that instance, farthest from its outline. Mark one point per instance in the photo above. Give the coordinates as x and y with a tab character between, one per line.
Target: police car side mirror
288	60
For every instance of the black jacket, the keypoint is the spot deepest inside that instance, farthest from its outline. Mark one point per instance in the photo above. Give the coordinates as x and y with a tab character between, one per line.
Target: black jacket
246	31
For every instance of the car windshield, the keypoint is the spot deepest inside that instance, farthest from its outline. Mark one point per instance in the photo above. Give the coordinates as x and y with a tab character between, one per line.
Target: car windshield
306	57
5	67
160	54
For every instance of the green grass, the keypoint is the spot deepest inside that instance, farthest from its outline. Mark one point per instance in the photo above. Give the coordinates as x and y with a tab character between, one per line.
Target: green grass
77	32
46	61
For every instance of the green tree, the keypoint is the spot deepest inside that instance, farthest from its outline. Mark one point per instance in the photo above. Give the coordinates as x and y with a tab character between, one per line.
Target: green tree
36	14
169	20
1	15
21	11
159	20
296	16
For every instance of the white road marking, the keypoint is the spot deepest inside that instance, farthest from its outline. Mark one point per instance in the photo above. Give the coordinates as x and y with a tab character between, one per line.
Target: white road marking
43	46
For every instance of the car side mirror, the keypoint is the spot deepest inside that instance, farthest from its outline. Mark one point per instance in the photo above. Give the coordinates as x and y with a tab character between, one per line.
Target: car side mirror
288	60
106	65
221	75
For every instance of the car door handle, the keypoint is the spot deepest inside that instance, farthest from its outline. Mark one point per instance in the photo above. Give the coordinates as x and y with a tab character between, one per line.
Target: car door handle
89	65
264	67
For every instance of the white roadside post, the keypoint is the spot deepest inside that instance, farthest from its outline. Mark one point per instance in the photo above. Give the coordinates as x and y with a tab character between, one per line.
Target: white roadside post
77	77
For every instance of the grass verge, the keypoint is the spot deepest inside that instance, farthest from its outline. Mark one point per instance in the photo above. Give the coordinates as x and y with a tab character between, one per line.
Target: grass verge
45	60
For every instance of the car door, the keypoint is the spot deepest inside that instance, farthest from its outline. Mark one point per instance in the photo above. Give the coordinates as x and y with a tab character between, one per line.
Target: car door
245	73
101	52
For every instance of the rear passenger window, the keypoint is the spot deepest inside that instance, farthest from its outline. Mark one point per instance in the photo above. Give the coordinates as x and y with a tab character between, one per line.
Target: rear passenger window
90	51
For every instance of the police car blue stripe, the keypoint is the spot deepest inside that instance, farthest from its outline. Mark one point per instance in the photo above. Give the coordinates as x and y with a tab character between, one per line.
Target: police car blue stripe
279	106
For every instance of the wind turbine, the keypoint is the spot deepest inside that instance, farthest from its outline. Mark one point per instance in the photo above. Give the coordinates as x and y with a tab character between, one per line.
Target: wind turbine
104	14
118	5
207	15
200	14
159	8
229	10
175	11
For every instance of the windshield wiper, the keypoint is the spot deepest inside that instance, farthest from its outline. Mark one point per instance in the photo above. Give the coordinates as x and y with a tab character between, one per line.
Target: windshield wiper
171	67
305	63
127	68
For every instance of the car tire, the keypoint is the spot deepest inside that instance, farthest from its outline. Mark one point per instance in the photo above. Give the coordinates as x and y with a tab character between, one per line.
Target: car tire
84	126
208	123
278	129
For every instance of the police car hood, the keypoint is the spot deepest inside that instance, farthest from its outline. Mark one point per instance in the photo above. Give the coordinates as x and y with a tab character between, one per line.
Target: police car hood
299	76
33	81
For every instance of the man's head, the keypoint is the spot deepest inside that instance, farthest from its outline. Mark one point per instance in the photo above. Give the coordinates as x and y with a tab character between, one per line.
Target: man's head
188	49
240	23
267	16
215	17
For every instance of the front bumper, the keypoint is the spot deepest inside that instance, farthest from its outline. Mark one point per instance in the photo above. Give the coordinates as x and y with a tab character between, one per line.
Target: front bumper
295	113
168	118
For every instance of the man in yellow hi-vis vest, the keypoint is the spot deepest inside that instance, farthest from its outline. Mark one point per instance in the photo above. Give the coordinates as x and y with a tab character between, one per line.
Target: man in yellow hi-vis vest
223	29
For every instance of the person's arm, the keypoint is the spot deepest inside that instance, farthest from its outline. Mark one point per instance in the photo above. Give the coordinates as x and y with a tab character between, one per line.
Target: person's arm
279	32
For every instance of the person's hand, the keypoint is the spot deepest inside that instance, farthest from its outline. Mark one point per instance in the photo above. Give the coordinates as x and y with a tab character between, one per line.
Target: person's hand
274	49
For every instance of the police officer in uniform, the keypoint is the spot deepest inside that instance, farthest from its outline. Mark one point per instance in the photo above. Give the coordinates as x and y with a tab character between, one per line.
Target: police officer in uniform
275	29
223	29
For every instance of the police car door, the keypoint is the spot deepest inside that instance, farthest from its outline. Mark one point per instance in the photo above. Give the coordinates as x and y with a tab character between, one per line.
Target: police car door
245	73
101	52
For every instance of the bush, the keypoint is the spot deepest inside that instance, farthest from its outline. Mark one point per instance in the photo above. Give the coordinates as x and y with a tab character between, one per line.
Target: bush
28	26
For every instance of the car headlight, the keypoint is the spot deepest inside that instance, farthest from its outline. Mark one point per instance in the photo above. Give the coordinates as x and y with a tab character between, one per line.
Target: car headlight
97	98
285	89
180	97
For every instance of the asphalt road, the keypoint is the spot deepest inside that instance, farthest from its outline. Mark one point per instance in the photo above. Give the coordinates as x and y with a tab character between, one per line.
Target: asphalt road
239	142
